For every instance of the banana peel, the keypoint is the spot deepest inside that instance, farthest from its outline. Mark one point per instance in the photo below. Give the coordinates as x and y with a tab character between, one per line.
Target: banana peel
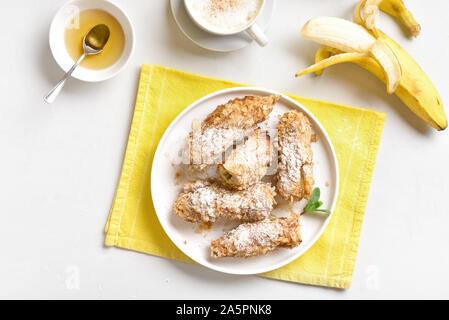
365	14
353	38
416	90
413	86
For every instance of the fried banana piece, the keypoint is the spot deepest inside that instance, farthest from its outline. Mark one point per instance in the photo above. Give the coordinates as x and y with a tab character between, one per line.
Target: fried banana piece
205	201
260	238
228	124
248	163
295	171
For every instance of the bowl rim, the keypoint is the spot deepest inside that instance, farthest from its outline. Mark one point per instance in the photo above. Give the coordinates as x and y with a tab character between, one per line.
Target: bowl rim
93	75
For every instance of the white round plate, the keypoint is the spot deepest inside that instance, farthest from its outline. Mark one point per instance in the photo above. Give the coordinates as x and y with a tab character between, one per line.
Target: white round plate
213	42
194	244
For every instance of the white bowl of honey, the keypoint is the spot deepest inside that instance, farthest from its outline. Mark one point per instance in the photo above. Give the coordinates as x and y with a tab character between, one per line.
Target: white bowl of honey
71	24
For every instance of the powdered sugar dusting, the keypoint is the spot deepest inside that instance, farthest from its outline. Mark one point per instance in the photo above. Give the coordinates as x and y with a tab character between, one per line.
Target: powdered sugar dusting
206	146
248	163
292	160
295	174
205	201
226	125
255	239
263	234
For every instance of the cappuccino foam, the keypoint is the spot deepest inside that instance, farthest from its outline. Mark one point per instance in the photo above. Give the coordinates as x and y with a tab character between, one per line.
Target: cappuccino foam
225	16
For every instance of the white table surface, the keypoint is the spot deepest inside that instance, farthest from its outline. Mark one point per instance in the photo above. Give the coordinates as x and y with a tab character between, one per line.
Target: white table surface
59	164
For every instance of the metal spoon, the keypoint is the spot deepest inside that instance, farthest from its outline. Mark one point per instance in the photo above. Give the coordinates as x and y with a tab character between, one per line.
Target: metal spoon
93	43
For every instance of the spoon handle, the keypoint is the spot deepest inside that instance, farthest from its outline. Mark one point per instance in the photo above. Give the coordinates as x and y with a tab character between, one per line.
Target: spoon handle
51	96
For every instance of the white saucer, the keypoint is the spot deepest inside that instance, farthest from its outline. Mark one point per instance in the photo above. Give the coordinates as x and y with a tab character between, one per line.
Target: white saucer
213	42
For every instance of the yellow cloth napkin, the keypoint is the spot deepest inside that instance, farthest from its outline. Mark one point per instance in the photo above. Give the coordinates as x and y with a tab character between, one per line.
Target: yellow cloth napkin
163	93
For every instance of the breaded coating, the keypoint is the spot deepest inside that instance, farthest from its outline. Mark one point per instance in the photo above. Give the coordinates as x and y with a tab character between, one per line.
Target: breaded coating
295	172
248	163
228	124
206	201
260	238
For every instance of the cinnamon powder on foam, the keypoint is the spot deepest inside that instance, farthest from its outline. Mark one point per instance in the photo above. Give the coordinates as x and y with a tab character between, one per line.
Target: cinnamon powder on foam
223	5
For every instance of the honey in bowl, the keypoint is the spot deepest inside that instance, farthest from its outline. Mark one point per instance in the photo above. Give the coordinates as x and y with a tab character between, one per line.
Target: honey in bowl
78	27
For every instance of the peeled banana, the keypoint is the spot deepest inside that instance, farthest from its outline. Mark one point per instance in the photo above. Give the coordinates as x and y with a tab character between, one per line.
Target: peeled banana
352	38
344	41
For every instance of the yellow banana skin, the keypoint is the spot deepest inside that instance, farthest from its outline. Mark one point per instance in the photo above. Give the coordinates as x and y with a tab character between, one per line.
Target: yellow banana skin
415	88
397	9
325	59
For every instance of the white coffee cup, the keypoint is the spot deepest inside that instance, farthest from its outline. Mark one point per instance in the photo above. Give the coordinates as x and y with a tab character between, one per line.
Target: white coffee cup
249	26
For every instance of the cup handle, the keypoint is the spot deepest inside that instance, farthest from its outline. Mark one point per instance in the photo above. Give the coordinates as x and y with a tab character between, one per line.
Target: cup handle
257	34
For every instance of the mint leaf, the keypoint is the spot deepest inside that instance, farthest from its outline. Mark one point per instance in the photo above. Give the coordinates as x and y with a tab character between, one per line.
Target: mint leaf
323	210
316	194
314	203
